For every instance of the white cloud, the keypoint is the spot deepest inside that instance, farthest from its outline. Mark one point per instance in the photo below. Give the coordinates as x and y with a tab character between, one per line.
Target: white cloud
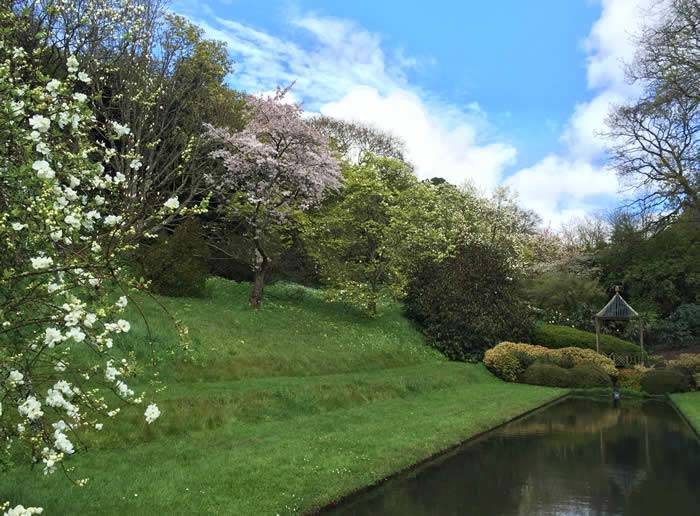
437	146
344	72
559	186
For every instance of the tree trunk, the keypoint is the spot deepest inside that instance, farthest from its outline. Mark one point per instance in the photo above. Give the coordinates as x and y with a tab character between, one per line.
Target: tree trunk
256	294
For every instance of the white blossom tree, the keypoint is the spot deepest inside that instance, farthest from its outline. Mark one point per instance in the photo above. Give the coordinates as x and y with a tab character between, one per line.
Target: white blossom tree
62	236
277	165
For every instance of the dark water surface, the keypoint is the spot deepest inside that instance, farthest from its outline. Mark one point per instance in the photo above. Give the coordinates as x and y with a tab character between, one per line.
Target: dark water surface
578	456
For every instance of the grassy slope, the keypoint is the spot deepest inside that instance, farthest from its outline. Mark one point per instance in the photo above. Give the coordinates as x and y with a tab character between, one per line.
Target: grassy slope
284	410
689	404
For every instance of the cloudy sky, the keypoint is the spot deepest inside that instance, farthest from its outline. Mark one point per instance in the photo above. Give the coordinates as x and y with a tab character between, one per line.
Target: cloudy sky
507	92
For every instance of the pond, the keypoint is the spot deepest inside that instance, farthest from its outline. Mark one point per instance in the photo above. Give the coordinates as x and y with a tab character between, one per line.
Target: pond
578	456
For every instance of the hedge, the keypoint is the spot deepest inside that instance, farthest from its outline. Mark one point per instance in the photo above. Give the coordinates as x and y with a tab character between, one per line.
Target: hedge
542	373
663	381
509	360
555	337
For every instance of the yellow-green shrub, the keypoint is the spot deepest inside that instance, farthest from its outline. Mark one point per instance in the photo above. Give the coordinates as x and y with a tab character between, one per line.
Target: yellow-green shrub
508	360
687	361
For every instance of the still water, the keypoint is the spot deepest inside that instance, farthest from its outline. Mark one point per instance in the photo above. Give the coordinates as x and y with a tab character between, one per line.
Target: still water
578	456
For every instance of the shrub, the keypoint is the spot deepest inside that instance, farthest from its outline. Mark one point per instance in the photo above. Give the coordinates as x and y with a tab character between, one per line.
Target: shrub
662	381
508	360
176	265
687	361
542	373
588	375
467	302
630	379
553	336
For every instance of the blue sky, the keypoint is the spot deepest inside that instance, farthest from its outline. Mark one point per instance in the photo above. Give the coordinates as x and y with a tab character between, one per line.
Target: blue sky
505	92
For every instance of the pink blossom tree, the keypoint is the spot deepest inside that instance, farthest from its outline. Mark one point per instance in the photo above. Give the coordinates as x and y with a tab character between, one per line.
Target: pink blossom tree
278	165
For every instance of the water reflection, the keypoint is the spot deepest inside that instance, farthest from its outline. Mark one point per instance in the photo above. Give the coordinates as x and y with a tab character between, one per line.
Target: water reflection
576	457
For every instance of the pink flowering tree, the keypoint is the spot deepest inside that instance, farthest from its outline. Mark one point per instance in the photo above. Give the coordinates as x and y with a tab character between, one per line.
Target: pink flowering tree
277	166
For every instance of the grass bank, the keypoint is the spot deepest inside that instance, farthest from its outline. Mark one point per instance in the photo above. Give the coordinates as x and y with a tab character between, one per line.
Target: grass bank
689	404
280	411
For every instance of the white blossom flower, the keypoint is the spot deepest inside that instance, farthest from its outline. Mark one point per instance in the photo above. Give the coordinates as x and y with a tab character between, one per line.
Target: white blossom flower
90	320
72	221
98	426
56	235
43	169
72	64
122	302
31	408
120	130
62	443
135	164
53	86
40	123
42	148
152	413
82	76
52	336
76	334
41	262
113	220
99	200
18	226
21	510
111	372
173	203
123	326
80	97
16	377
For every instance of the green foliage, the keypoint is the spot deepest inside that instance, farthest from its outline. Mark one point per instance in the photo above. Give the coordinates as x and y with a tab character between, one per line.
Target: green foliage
352	238
176	265
662	271
680	329
565	298
663	381
587	375
553	336
468	302
542	373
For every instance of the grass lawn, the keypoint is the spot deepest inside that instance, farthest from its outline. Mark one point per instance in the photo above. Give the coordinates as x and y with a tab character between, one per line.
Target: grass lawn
280	411
689	404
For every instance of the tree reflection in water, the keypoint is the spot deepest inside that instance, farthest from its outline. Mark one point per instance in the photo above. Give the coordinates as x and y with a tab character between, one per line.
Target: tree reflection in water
579	456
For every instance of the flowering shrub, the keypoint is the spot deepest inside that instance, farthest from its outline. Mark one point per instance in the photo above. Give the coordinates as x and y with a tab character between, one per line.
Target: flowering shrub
508	360
62	234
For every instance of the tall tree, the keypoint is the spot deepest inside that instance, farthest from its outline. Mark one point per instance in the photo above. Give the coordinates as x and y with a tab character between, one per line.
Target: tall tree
655	140
276	167
356	141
